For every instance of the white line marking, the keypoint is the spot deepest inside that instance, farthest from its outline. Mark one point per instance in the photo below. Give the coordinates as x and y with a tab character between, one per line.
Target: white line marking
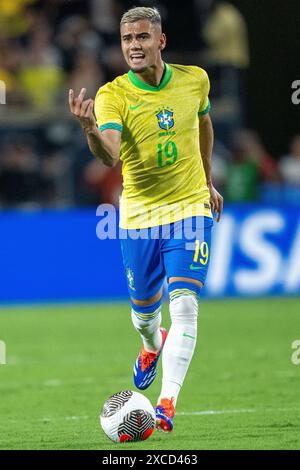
213	412
180	413
67	418
61	383
53	383
241	411
76	417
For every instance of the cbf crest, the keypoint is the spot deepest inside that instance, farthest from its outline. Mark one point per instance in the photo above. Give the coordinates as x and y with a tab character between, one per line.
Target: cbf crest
165	119
130	278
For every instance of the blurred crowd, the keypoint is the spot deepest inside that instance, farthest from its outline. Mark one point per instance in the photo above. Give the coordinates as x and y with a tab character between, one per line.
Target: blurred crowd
49	46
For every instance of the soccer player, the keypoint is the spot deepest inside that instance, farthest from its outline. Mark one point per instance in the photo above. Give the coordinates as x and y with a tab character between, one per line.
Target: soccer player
156	120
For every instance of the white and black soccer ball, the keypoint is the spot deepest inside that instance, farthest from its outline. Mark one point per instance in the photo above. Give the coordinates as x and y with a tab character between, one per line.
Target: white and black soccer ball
127	416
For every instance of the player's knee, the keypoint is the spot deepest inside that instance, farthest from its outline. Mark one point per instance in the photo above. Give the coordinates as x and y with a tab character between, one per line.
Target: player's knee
146	319
184	302
184	309
146	323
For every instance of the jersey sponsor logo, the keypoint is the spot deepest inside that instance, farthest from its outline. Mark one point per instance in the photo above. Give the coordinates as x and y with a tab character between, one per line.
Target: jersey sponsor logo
165	119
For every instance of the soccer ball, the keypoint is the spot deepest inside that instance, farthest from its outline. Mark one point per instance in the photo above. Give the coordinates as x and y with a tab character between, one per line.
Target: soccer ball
127	416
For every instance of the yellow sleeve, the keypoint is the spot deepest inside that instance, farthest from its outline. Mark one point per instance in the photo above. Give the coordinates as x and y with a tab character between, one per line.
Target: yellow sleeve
204	90
108	107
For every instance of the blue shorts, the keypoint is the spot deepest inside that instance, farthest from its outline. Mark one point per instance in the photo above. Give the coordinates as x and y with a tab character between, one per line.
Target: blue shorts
181	249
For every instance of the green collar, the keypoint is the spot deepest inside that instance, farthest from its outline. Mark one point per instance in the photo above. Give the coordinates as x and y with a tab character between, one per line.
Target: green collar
145	86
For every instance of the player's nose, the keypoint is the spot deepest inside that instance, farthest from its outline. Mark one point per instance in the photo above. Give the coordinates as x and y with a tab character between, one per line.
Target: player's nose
135	45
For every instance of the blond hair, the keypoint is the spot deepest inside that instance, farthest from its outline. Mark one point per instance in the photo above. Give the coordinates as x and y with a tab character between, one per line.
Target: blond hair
141	13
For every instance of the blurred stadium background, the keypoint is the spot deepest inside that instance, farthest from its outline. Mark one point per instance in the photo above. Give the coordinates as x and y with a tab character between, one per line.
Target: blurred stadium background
50	186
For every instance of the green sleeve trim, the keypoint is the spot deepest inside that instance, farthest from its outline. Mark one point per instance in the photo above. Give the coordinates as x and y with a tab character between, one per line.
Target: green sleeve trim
111	125
206	110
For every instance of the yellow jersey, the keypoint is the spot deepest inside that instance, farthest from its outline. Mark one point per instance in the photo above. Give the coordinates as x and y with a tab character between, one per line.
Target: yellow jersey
163	175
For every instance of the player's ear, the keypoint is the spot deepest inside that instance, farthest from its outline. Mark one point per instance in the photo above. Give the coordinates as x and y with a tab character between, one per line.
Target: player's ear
162	42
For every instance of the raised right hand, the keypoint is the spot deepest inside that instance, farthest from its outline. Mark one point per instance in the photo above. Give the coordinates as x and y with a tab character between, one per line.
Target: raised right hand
82	110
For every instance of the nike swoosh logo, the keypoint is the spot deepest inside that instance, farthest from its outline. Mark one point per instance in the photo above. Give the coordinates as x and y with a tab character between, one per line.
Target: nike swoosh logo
194	268
135	107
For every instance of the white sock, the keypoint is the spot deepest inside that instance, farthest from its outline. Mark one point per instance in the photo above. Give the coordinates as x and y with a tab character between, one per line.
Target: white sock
180	344
148	324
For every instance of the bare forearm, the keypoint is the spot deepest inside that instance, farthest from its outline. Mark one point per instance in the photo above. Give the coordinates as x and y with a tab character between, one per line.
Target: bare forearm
105	146
99	147
206	147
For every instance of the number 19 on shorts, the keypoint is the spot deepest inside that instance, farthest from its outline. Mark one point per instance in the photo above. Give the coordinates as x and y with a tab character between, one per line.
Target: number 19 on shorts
201	253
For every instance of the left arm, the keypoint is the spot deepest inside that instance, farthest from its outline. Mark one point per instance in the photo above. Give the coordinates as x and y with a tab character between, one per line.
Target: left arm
206	147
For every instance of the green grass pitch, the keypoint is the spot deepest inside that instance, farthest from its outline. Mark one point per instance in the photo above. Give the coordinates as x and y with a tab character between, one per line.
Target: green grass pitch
241	392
